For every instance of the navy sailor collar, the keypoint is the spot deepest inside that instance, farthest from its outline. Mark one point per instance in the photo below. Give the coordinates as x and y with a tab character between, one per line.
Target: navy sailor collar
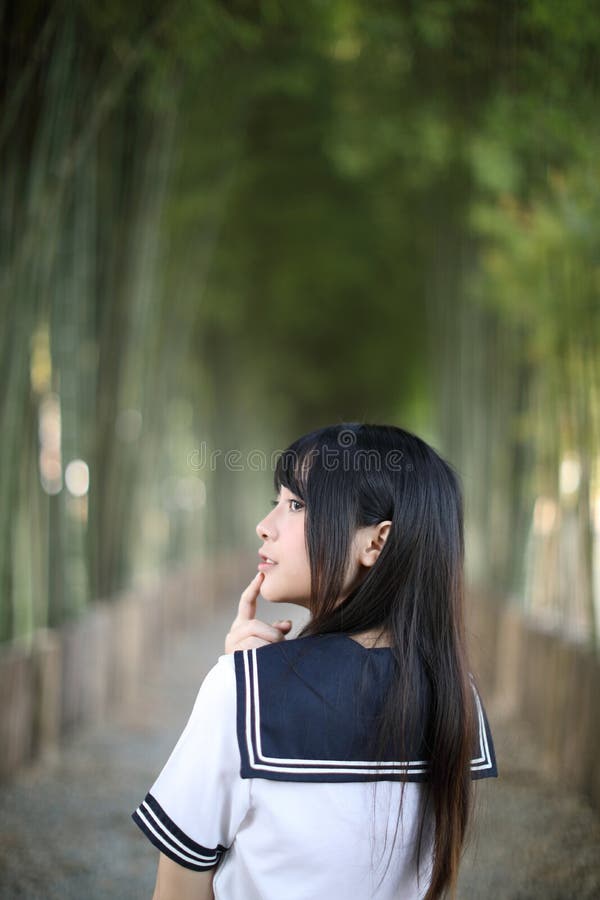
307	708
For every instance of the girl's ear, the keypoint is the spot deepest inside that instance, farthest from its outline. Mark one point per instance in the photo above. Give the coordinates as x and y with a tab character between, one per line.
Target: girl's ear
373	540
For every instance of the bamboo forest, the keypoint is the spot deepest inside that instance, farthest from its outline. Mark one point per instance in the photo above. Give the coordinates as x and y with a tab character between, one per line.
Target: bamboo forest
226	223
223	223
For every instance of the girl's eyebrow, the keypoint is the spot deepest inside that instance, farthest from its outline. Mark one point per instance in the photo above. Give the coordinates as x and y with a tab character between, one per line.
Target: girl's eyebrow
291	497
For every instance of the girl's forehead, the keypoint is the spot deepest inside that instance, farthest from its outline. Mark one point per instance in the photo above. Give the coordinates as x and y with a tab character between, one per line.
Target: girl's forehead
284	491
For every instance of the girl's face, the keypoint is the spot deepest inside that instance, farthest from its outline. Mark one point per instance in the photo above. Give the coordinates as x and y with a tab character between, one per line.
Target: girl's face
287	579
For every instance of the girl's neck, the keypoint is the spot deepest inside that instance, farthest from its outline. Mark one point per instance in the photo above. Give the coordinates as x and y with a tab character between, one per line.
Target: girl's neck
373	638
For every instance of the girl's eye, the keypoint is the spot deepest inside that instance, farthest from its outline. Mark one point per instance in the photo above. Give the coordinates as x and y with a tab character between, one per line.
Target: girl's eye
298	507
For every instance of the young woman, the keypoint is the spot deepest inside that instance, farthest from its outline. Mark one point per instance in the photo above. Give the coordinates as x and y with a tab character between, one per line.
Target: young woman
338	764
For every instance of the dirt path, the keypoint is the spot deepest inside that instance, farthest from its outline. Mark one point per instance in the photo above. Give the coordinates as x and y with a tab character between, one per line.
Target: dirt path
66	831
536	840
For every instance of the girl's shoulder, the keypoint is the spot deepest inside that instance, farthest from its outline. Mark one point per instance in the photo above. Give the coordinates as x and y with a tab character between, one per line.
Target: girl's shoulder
331	650
307	709
332	647
315	671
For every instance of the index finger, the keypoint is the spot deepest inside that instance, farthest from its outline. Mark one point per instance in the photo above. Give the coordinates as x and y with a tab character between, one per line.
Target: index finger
247	604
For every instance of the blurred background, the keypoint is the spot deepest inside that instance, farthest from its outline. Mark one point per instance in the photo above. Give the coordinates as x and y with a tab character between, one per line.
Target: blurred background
223	224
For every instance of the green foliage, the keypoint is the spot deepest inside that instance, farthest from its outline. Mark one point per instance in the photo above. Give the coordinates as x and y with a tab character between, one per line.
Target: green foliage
280	214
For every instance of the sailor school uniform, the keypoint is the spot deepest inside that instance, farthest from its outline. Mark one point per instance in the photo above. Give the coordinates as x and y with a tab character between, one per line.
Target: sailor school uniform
271	782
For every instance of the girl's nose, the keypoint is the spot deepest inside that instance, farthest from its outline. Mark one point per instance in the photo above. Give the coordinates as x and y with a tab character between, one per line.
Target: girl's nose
261	529
265	529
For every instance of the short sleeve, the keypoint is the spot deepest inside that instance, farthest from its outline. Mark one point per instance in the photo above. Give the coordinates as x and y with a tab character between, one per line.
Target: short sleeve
194	808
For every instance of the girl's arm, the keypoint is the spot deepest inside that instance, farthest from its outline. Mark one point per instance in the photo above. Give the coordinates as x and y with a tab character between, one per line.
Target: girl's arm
175	882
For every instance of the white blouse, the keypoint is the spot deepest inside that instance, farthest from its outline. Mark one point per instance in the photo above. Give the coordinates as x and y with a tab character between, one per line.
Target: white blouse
267	783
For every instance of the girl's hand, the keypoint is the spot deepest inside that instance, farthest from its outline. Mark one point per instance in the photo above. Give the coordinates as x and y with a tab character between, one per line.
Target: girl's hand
246	631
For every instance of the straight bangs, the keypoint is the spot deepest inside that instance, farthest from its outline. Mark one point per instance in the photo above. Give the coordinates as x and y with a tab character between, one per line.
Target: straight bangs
293	467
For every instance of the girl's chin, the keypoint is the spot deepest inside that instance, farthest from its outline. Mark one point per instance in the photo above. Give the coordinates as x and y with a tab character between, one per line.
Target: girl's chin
285	598
267	591
273	596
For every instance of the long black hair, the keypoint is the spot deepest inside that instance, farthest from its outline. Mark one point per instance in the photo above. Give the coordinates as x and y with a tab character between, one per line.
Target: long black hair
353	475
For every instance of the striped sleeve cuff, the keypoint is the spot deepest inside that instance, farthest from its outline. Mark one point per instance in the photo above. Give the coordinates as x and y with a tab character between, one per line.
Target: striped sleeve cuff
171	840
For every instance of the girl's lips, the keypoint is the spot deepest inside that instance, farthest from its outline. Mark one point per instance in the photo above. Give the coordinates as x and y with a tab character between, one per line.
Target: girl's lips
266	565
